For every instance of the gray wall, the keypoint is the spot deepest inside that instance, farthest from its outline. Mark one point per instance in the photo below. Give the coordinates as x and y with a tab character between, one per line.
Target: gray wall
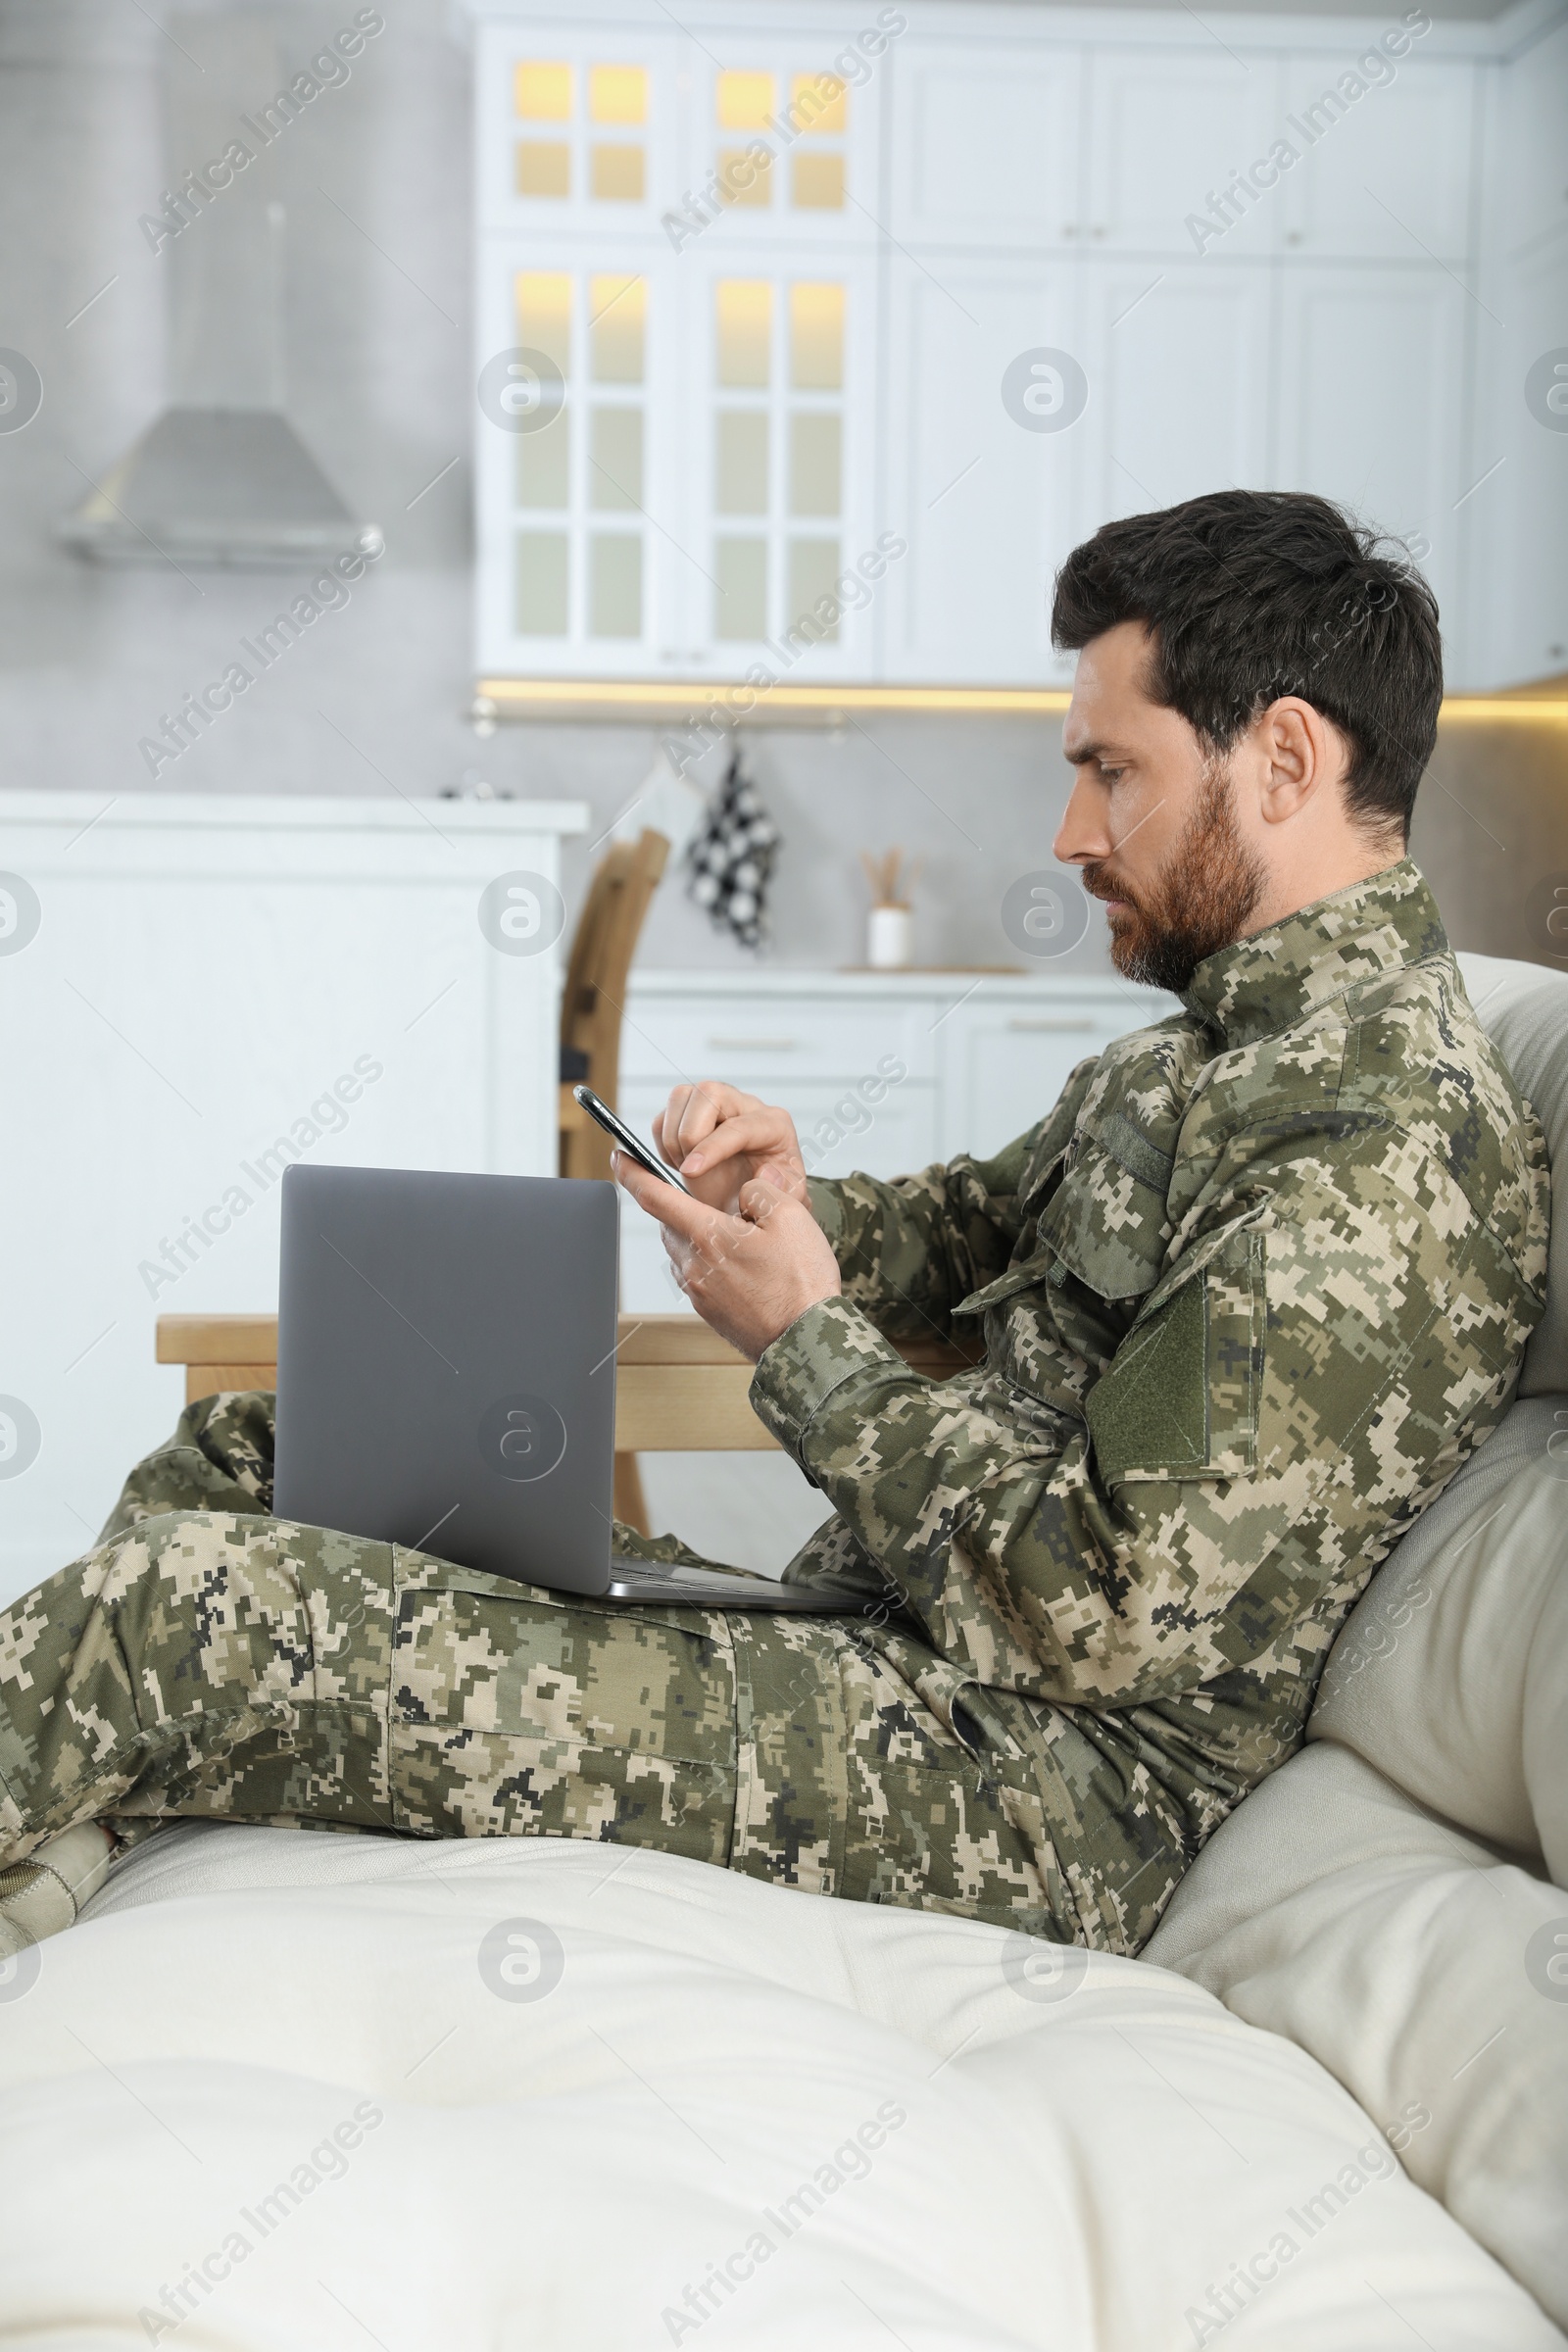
375	180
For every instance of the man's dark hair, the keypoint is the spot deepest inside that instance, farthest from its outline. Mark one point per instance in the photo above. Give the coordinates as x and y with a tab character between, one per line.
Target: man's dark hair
1248	595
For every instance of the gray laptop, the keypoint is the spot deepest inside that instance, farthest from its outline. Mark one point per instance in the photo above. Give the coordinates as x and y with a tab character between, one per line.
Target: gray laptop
445	1379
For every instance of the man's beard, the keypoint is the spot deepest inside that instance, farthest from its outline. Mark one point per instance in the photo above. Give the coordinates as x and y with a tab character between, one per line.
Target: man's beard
1196	904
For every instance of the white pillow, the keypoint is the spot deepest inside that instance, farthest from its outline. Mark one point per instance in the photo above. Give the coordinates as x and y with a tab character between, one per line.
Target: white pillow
1523	1010
1451	1672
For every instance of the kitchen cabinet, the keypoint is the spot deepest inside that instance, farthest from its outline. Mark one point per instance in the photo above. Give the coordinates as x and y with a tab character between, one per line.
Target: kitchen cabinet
880	1071
780	146
1520	580
970	601
1181	365
1530	173
677	321
1388	175
1008	1055
578	129
236	982
1043	285
1167	128
1372	370
780	505
584	561
986	146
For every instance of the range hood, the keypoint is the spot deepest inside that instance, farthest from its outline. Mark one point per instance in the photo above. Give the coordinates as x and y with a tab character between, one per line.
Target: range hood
221	478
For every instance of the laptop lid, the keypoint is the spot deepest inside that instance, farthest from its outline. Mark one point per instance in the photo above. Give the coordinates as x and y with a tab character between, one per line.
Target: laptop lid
446	1366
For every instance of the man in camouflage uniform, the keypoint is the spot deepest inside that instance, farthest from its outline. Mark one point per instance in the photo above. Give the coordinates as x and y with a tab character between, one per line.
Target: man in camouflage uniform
1249	1296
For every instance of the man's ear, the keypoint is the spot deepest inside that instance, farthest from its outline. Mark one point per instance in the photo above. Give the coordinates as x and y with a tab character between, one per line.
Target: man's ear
1302	755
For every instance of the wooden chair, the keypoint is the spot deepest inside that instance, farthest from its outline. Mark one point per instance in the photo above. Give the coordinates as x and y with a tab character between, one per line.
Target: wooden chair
601	949
591	1005
679	1388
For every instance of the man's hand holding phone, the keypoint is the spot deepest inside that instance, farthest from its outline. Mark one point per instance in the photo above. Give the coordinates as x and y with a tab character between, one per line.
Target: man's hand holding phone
744	1243
721	1140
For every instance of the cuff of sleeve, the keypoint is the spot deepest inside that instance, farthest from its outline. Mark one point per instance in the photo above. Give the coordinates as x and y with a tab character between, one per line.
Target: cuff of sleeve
830	1344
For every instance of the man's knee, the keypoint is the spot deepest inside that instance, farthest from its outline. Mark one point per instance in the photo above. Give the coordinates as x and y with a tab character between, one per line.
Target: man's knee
192	1603
219	1458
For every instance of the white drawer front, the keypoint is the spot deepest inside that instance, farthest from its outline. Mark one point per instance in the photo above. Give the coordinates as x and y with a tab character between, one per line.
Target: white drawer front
839	1125
1004	1068
760	1045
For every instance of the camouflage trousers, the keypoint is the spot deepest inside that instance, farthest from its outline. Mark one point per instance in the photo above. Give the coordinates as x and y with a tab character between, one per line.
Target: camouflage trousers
210	1661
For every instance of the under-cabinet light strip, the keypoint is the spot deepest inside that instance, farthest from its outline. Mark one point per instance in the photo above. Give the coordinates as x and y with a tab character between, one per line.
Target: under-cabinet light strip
542	697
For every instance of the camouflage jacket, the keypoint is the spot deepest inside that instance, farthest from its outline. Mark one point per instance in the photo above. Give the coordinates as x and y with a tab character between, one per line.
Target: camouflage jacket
1250	1295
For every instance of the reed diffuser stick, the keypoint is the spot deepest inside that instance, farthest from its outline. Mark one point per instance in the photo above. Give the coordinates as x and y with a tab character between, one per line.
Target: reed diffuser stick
891	881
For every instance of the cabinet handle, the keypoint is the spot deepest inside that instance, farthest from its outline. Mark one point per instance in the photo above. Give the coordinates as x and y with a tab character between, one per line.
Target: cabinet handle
751	1045
1054	1028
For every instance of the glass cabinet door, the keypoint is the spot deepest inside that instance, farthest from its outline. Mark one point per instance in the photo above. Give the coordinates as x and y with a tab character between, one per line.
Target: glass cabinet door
786	145
572	447
578	127
780	363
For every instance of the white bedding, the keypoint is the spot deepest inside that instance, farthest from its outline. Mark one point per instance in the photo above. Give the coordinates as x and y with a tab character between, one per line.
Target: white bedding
989	2158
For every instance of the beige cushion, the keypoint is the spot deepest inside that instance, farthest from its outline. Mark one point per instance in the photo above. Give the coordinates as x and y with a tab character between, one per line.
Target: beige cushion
1523	1010
1083	2154
1385	1901
1418	1968
1452	1674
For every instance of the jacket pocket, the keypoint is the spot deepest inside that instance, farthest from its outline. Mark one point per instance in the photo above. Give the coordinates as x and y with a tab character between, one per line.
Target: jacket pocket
1181	1397
1105	1224
1027	1276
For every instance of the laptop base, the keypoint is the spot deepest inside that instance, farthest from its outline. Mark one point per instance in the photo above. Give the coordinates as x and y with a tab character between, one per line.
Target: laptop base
677	1587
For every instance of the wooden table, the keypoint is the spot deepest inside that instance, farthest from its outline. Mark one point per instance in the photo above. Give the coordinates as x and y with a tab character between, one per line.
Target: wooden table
679	1388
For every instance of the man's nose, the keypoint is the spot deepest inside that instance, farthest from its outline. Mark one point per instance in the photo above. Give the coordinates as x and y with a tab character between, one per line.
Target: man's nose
1082	837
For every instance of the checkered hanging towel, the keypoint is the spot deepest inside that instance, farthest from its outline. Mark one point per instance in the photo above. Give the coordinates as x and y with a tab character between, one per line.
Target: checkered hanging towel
731	859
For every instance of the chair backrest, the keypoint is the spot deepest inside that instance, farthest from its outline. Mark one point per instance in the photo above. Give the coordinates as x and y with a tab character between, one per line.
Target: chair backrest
594	991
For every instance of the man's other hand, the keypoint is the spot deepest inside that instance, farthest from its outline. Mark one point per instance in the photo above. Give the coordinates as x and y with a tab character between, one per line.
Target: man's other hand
722	1140
750	1275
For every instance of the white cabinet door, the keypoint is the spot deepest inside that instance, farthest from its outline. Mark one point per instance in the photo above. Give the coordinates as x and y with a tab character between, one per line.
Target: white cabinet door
1385	174
985	447
986	145
1530	179
1370	403
1168	129
1519	579
1181	359
1005	1065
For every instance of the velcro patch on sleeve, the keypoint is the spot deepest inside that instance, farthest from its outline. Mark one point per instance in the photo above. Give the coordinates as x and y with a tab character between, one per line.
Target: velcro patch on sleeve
1180	1398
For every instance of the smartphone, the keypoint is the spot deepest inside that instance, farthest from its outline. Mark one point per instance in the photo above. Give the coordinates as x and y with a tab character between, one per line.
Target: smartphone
643	1154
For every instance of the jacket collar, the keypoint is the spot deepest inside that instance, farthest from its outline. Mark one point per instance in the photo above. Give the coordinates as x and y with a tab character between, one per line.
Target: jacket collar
1270	981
